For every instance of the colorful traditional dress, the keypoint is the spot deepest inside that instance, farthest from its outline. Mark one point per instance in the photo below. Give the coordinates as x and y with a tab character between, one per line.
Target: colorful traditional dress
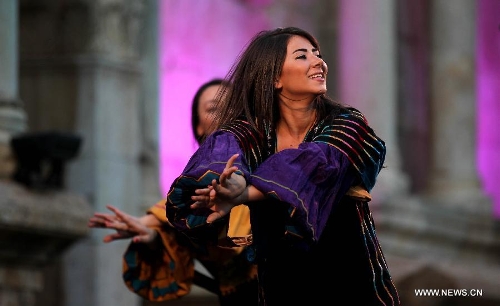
168	272
314	238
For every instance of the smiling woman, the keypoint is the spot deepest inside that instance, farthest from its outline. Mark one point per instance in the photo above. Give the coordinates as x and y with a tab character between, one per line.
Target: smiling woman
304	165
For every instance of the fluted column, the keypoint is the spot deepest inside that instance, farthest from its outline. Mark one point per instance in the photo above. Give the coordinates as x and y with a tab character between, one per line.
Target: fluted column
453	173
12	116
367	77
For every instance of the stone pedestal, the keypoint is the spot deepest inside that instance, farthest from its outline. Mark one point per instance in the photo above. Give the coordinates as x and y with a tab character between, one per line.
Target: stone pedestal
432	244
35	229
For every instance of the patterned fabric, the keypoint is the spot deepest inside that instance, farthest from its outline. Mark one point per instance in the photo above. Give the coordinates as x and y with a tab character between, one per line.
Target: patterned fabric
205	165
351	135
251	143
159	275
315	218
168	273
380	278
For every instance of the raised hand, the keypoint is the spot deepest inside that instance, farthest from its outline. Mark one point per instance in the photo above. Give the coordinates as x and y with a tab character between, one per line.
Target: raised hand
221	197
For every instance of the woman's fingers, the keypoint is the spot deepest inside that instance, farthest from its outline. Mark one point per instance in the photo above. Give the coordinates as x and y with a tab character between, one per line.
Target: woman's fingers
118	225
229	169
201	198
124	221
115	236
109	238
219	211
201	202
126	226
213	193
105	216
226	174
122	216
112	208
96	222
231	160
202	190
147	236
101	222
215	215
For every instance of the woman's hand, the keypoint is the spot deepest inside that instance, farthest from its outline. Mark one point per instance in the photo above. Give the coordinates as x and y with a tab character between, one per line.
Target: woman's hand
221	197
126	226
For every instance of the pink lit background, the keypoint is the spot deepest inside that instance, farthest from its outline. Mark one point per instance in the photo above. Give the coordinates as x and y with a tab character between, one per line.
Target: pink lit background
199	40
488	98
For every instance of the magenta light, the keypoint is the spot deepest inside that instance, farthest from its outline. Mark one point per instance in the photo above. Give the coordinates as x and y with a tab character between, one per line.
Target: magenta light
199	40
488	97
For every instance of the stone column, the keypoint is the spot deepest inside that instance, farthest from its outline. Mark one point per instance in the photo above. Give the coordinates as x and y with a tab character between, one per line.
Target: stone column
12	121
12	116
110	102
453	187
453	172
367	78
149	108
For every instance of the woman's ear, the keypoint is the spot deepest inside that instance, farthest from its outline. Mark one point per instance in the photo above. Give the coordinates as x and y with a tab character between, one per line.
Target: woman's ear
199	130
277	84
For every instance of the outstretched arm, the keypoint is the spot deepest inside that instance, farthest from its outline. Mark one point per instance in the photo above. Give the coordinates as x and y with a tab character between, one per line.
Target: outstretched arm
139	229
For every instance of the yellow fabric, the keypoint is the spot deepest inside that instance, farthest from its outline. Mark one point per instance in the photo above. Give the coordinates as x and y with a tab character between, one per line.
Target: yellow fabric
359	193
239	221
159	211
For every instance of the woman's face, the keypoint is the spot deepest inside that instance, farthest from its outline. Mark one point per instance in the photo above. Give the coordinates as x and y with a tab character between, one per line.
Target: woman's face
206	109
304	72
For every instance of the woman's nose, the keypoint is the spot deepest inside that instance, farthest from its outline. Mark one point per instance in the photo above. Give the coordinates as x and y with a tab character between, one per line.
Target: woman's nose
325	67
321	63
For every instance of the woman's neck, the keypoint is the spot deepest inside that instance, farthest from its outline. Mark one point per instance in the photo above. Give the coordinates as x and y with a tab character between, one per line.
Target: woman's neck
293	126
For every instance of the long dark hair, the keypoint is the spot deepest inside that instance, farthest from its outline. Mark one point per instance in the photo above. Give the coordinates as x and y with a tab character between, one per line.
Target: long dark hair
252	94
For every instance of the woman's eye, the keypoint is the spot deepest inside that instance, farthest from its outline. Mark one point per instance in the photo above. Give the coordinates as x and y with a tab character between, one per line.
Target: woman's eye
303	56
319	55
